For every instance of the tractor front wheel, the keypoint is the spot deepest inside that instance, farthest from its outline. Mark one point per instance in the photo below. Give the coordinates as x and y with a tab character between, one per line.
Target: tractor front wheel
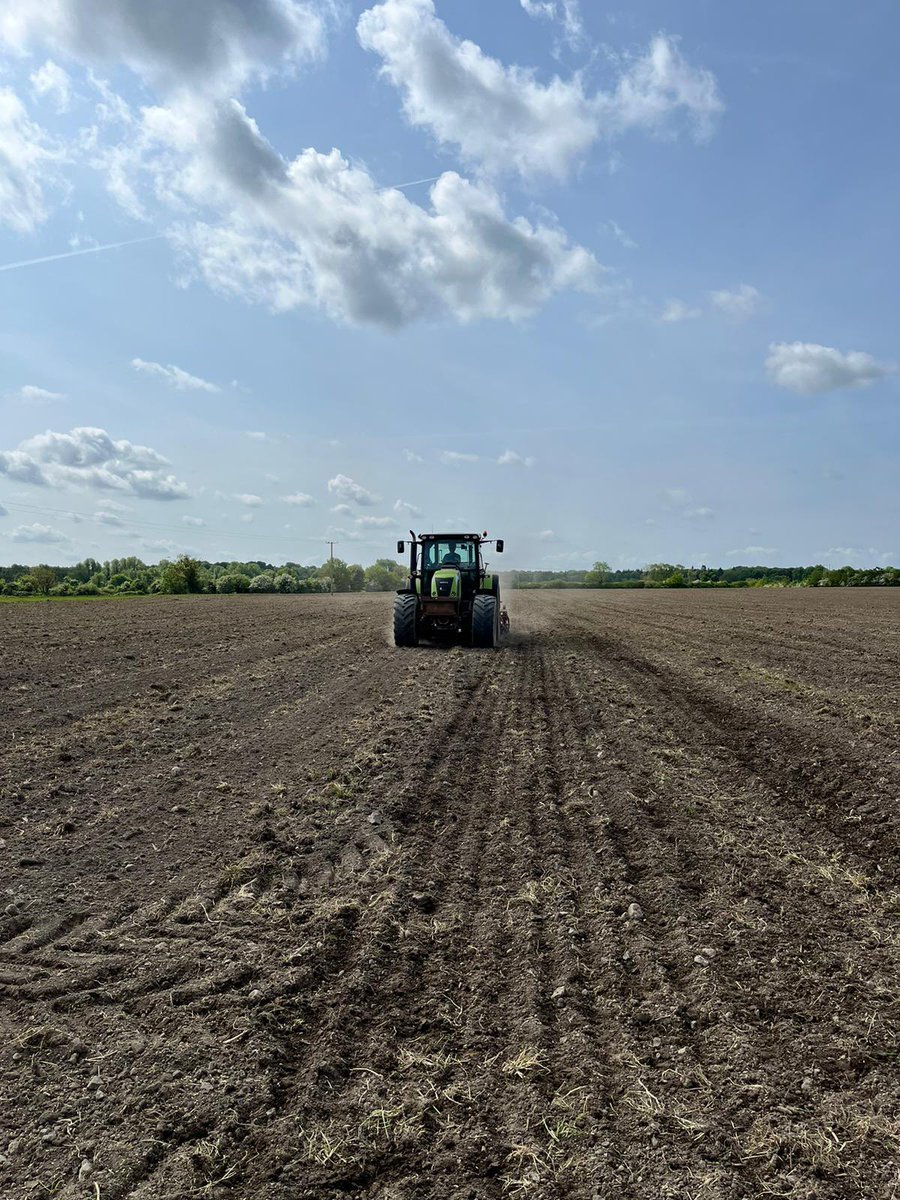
485	622
405	612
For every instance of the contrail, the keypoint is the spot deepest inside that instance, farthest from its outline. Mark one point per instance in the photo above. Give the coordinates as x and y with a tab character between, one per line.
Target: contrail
413	182
33	262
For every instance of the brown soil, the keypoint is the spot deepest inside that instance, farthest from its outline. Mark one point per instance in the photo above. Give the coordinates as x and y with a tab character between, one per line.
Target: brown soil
287	914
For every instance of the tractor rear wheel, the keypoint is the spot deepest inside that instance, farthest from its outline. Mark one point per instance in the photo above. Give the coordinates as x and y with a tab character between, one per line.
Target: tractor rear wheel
485	622
405	612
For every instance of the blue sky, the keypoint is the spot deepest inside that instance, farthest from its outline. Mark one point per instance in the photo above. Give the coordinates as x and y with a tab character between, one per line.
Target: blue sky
644	309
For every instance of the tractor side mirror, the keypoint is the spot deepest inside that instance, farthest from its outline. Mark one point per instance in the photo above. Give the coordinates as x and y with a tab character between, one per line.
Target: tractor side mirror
401	545
499	545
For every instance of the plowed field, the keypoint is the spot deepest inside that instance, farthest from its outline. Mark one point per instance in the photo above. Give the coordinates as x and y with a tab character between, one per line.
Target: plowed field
610	913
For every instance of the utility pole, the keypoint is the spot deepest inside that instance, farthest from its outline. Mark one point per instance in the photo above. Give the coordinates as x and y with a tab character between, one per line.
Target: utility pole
331	546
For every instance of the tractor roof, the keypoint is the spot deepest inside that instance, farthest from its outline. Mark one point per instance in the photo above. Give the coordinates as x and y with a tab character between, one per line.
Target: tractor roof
450	537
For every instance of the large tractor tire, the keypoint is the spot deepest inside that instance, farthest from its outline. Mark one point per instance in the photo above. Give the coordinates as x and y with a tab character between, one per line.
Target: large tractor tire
405	612
485	622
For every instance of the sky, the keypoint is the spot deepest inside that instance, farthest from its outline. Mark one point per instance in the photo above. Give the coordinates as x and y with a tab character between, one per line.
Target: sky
610	281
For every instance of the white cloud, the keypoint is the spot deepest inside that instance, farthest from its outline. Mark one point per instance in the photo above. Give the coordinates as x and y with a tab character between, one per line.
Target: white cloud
257	435
248	499
809	369
342	509
566	12
30	394
453	458
741	302
348	491
40	534
620	235
509	458
25	166
319	232
90	458
376	522
677	310
196	522
51	82
210	46
752	550
404	506
661	84
546	535
501	118
103	517
411	456
698	514
249	518
175	377
299	500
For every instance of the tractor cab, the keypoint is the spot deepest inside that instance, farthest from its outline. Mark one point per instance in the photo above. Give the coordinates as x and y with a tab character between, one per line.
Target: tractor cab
450	567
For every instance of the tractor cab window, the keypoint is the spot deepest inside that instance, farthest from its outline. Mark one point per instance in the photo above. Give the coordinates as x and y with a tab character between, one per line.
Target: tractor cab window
449	554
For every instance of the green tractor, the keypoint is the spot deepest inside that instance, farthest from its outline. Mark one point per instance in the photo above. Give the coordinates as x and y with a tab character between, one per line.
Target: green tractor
449	594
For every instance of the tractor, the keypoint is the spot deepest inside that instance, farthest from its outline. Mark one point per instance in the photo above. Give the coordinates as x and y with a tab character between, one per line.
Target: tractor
449	595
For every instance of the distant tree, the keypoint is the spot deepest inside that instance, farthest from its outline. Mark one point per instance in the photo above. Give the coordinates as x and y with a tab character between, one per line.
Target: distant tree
659	572
285	581
233	582
184	575
598	575
44	578
262	583
385	575
675	580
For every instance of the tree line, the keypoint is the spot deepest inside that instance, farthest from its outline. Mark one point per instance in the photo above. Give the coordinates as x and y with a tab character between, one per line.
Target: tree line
674	575
186	575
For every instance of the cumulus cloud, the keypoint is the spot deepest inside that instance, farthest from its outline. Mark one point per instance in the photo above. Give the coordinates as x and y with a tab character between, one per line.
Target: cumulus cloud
39	534
404	506
546	535
509	458
51	82
312	232
248	499
677	310
412	457
376	522
698	514
175	377
319	232
30	394
501	117
350	492
26	166
211	46
741	302
299	500
809	369
90	458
